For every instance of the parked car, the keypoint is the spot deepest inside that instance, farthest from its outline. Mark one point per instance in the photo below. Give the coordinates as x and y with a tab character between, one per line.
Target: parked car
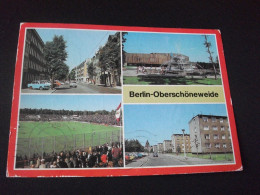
140	155
73	84
155	154
57	83
39	85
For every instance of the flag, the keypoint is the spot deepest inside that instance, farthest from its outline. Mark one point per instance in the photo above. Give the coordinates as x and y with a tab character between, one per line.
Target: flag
118	112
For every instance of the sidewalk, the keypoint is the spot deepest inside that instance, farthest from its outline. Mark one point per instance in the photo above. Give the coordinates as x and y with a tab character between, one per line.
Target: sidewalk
36	91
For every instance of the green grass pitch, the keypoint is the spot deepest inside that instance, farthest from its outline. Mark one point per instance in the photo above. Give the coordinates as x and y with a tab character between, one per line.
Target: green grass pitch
38	137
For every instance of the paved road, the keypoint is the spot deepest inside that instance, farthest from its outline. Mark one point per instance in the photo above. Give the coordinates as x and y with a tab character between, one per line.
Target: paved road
83	88
171	160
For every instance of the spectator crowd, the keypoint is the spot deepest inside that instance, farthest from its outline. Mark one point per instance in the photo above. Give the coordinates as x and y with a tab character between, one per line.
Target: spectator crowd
107	119
94	157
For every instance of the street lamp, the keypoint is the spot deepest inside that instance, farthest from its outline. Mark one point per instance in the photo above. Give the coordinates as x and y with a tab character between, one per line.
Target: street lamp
184	143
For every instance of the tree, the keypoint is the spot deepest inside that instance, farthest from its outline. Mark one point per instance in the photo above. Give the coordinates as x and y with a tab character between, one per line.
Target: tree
72	75
55	55
123	46
133	145
110	57
208	45
63	72
196	143
91	70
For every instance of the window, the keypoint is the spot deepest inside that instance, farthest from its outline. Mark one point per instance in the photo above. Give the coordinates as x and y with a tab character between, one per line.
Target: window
222	128
215	128
216	137
205	119
224	145
223	136
207	136
217	145
195	129
221	120
206	128
213	119
207	145
229	137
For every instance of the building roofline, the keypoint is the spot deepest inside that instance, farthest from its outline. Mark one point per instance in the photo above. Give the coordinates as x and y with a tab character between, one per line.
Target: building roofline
207	115
181	134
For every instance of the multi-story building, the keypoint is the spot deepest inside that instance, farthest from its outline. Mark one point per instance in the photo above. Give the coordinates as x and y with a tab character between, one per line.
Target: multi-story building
81	71
210	133
155	148
160	147
34	65
178	140
167	145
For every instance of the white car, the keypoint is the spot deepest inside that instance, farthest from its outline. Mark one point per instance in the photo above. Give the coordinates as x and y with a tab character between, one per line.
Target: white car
73	84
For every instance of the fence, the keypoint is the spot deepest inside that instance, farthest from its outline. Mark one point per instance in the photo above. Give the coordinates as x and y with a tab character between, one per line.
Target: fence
49	144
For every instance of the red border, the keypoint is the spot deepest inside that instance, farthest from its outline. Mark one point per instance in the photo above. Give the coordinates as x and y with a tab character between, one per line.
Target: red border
11	172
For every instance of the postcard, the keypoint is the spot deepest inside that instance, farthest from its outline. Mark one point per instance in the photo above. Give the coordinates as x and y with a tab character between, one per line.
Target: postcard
98	101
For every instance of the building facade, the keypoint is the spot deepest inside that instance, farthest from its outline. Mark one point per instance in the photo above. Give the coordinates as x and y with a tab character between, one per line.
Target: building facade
160	147
155	148
178	141
154	59
167	145
34	65
210	133
81	71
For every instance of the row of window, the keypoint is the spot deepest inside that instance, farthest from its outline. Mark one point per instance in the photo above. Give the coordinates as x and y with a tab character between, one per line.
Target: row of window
32	77
36	66
217	145
213	119
35	42
215	136
215	128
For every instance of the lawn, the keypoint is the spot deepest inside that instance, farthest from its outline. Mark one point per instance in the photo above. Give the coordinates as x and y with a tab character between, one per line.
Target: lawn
169	80
216	157
35	137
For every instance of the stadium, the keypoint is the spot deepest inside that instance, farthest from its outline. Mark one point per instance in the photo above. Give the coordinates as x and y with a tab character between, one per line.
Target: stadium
46	133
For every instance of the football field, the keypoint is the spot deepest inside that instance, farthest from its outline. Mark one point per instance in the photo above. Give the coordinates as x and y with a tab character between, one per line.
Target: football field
39	137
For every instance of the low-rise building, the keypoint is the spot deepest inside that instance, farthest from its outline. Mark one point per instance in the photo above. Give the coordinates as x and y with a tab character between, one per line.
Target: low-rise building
167	145
210	134
180	141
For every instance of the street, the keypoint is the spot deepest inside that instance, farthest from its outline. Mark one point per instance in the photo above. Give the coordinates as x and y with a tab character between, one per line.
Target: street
171	160
83	88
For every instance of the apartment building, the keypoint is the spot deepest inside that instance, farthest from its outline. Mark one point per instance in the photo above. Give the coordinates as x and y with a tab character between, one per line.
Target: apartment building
167	145
210	134
34	65
178	140
81	71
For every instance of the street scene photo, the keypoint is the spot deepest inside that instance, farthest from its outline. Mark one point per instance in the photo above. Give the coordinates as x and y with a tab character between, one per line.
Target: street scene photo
69	131
71	61
171	135
170	59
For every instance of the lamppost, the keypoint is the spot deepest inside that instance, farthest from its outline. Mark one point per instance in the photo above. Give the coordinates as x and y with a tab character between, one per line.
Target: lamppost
184	143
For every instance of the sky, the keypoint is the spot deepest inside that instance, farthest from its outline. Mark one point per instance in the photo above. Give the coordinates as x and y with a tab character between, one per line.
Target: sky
71	102
156	123
81	44
186	44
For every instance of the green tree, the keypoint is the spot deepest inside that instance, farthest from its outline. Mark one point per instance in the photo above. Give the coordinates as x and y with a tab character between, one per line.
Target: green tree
55	55
110	58
91	70
72	75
